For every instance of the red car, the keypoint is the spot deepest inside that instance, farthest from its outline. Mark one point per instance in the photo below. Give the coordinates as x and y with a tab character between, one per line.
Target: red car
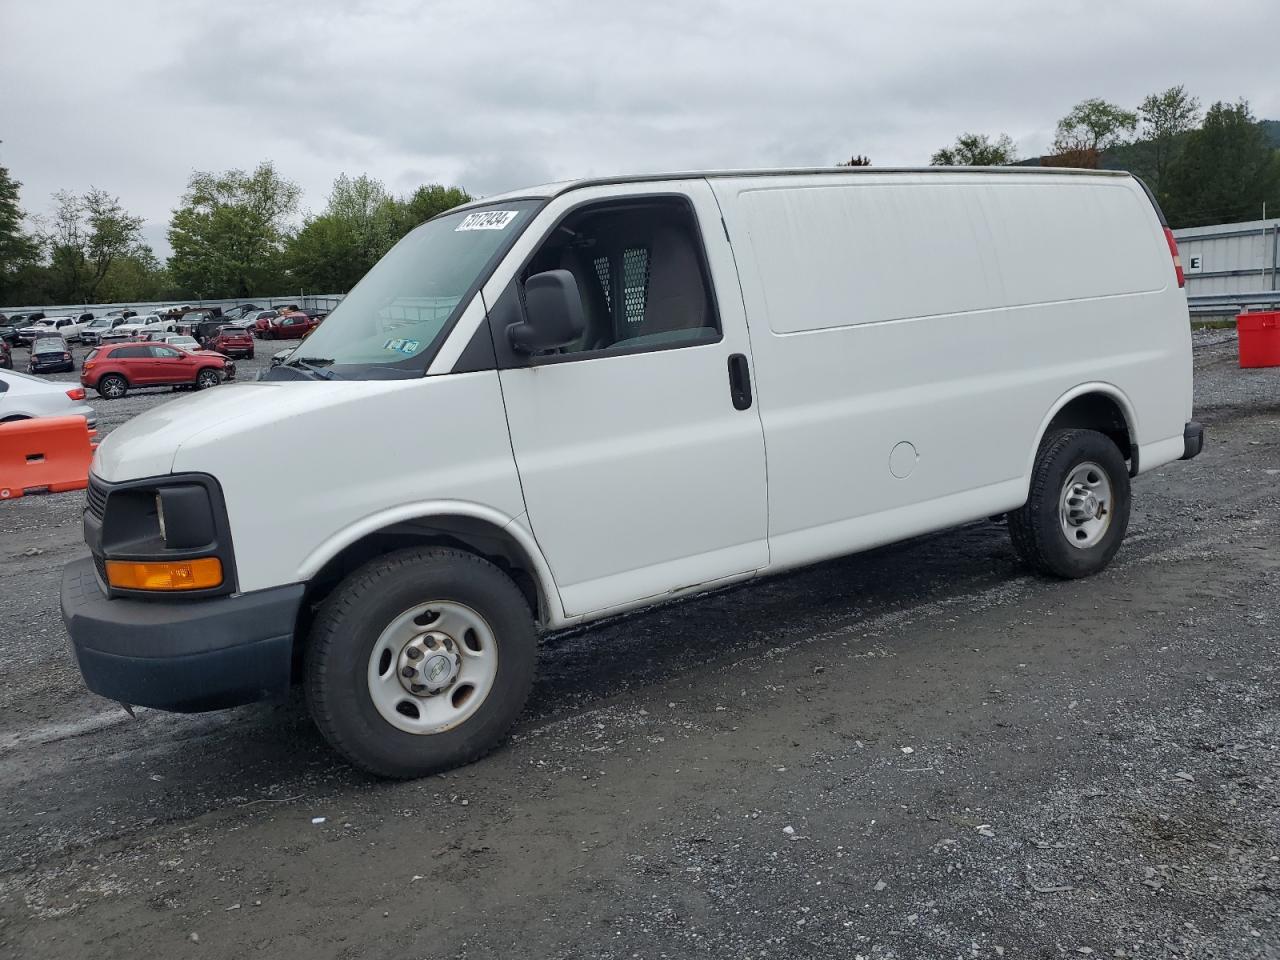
114	369
260	320
288	326
231	341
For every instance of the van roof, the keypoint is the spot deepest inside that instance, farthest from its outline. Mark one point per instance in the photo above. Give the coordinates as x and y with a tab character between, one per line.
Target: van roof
555	188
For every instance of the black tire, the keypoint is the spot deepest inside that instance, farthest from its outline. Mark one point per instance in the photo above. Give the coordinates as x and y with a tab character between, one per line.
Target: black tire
1037	528
112	387
206	378
348	625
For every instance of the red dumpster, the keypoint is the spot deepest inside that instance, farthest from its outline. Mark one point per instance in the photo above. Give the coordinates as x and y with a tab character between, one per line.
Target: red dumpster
1259	339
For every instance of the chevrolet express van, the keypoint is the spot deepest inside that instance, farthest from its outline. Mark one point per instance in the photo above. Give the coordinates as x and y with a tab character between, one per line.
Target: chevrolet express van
575	400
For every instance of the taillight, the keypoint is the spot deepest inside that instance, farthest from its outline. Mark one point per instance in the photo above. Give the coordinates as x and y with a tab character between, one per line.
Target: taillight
76	394
1177	260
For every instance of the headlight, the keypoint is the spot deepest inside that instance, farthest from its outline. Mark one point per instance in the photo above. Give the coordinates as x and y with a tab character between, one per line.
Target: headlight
161	535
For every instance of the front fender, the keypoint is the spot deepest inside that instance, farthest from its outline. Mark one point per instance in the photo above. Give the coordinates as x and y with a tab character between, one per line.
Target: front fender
426	510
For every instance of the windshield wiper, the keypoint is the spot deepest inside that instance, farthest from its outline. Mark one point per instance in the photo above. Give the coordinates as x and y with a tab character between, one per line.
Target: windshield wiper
314	365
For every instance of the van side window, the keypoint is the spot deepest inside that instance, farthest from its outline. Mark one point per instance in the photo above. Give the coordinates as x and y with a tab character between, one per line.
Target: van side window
641	275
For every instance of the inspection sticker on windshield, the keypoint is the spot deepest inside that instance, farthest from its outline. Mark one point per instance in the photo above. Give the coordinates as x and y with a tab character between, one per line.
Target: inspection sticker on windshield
402	346
489	220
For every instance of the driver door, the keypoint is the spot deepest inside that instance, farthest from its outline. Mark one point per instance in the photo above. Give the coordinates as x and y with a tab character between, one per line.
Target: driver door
643	475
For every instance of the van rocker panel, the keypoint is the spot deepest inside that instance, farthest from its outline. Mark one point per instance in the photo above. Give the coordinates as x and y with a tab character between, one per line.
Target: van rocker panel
184	656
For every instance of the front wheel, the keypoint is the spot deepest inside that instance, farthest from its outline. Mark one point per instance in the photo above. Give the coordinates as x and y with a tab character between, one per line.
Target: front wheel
1078	507
207	378
420	661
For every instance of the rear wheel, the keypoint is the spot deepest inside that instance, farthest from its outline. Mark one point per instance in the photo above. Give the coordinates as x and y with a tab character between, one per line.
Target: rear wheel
206	378
1078	508
112	386
420	661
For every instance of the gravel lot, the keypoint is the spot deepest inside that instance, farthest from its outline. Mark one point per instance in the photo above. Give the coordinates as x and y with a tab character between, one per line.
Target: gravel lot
914	753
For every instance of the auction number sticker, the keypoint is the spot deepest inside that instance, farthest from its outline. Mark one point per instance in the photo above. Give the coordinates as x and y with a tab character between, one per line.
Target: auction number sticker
489	220
402	346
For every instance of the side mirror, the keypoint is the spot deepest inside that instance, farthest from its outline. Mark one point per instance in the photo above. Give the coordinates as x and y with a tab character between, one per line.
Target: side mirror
553	308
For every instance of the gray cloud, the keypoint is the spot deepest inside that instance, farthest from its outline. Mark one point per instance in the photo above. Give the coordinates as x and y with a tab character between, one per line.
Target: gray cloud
498	95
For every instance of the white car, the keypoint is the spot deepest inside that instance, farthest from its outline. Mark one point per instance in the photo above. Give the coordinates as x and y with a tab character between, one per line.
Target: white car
565	403
99	327
140	324
23	396
69	328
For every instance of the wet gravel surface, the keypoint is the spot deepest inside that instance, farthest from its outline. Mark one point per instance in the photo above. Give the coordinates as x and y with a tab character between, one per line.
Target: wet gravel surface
914	753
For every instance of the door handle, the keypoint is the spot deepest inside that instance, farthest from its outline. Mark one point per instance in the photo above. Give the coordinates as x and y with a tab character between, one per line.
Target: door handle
739	381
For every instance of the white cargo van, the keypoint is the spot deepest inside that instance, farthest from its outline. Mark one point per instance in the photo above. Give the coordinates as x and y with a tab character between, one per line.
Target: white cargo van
579	399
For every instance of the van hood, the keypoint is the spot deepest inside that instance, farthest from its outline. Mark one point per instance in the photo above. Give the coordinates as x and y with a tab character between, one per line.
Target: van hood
154	443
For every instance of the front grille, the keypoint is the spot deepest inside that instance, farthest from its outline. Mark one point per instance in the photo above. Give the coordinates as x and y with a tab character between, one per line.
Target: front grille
96	494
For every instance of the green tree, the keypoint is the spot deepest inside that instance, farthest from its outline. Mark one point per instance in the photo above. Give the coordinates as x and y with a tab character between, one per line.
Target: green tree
18	249
1089	128
977	150
228	235
137	275
426	202
857	160
1166	118
88	234
1224	172
325	255
360	223
66	244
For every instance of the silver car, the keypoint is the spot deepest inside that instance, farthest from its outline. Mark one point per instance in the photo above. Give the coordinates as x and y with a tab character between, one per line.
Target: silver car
23	396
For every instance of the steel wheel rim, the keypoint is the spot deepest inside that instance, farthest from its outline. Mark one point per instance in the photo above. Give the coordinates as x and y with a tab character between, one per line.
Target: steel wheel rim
420	639
1085	505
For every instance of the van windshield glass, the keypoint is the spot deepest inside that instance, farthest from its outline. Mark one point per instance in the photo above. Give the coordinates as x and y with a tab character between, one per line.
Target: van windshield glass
394	320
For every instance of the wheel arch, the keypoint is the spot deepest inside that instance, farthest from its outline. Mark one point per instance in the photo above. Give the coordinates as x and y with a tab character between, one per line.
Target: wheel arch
473	527
1094	406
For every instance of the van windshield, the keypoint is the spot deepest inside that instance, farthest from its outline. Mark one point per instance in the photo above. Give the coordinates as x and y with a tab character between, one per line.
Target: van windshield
393	321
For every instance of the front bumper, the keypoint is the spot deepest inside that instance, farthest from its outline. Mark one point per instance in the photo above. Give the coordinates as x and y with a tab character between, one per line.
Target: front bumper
181	655
1192	440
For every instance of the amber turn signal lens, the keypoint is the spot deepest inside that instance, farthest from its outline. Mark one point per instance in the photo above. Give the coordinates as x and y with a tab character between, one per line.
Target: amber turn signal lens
198	574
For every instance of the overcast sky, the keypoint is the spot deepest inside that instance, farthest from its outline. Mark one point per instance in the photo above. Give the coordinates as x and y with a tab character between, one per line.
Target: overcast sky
131	96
